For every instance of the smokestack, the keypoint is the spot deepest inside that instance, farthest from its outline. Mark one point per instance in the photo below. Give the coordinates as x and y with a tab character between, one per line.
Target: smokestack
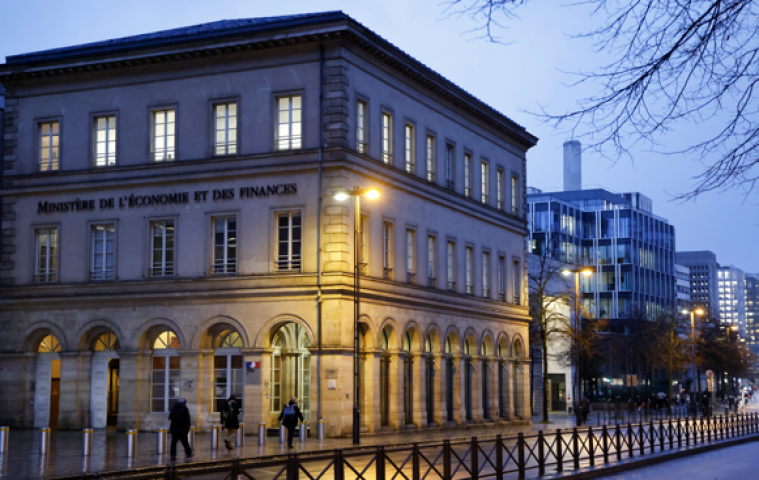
572	166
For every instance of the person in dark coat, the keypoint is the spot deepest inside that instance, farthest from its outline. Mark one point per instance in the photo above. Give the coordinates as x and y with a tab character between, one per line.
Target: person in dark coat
180	427
289	418
230	420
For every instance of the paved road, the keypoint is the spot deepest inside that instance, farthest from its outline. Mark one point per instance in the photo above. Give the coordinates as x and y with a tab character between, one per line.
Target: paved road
733	463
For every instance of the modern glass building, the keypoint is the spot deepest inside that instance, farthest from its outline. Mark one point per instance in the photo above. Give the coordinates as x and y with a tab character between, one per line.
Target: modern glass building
731	287
630	248
752	311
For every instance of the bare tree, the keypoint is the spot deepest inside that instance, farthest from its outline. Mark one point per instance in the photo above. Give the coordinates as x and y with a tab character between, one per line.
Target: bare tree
672	61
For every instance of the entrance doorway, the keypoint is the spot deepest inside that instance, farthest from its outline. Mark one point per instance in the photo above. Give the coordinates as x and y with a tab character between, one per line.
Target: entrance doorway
104	382
290	374
113	392
47	383
55	393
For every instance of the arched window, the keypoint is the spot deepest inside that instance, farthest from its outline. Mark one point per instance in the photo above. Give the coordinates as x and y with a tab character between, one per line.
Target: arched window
49	344
106	342
166	372
227	369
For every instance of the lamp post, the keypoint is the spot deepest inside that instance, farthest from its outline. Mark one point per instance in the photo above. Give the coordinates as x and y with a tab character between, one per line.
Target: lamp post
578	328
356	193
693	314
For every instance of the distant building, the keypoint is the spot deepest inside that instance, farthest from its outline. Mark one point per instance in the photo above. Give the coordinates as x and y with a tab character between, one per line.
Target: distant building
703	279
682	287
752	311
731	285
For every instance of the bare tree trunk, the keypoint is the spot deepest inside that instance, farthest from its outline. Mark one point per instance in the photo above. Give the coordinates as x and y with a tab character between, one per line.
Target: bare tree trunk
545	379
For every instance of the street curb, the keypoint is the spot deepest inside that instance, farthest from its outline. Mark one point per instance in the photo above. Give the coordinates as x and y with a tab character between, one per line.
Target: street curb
655	459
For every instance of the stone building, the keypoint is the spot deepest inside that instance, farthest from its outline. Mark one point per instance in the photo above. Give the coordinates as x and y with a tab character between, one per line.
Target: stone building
172	227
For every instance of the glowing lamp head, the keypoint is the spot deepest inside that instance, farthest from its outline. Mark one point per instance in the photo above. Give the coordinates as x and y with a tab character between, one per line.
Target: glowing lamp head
566	273
699	312
587	272
685	312
341	196
372	194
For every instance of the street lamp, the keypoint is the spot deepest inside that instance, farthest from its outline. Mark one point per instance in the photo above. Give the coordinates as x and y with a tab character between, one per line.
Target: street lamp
356	193
578	328
693	313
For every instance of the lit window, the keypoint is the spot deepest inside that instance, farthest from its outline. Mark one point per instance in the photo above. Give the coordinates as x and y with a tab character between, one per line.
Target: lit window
410	256
102	262
409	143
289	241
289	123
225	129
431	170
162	261
49	344
107	342
224	245
46	258
467	175
469	270
165	377
361	140
500	186
163	135
105	141
514	195
484	182
387	141
49	145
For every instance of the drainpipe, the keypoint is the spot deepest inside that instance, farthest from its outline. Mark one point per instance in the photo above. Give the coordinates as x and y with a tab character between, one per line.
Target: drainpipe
319	240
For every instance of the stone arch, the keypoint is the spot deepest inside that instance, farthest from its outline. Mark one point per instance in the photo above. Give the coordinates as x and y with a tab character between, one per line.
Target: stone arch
414	332
487	347
452	340
470	340
436	339
148	332
206	333
367	333
34	334
517	347
264	335
504	346
89	333
393	337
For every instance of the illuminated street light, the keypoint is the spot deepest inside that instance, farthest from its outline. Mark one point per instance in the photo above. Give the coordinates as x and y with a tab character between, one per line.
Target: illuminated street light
586	272
692	313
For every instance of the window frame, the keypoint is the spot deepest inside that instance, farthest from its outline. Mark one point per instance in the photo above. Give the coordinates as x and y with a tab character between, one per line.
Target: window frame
151	239
486	290
167	354
91	226
469	269
212	116
57	256
388	257
362	127
515	194
386	154
212	237
517	281
430	156
484	181
290	95
38	142
450	165
500	188
432	260
152	127
93	138
468	190
290	212
411	256
450	256
409	147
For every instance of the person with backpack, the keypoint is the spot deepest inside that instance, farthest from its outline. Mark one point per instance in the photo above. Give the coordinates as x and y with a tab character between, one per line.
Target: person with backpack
180	427
229	420
289	418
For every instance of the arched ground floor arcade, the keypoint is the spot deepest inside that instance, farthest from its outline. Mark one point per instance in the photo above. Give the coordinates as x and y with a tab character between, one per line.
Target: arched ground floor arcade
125	366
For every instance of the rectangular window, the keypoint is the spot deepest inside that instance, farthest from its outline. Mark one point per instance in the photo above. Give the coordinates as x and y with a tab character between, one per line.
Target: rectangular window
517	283
387	138
451	267
227	380
500	187
469	258
105	141
431	170
225	129
467	175
363	251
289	127
103	259
501	279
163	135
514	195
387	250
485	274
224	245
166	382
49	145
289	239
449	171
46	258
409	148
431	261
162	262
362	145
484	182
410	256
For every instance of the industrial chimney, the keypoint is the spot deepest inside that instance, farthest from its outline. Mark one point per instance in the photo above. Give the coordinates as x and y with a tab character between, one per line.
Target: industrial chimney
572	166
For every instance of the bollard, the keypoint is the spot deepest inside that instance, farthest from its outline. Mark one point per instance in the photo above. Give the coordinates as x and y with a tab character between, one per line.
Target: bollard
214	437
303	432
161	443
261	434
44	441
86	441
240	435
4	432
282	434
131	443
191	438
321	431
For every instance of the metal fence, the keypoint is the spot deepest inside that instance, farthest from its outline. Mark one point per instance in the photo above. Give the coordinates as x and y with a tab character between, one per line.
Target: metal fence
473	459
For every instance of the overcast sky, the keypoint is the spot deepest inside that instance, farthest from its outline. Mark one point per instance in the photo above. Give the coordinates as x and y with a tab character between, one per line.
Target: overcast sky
514	78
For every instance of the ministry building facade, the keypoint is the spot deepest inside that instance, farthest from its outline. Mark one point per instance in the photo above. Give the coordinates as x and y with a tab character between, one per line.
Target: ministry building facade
171	227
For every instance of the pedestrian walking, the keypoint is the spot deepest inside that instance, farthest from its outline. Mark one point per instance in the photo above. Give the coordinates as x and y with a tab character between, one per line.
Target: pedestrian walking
180	427
229	420
289	418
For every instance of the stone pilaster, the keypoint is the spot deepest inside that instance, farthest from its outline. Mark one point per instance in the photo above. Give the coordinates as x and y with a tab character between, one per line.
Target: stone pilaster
8	241
17	385
256	408
74	406
420	390
189	364
134	388
337	224
336	103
